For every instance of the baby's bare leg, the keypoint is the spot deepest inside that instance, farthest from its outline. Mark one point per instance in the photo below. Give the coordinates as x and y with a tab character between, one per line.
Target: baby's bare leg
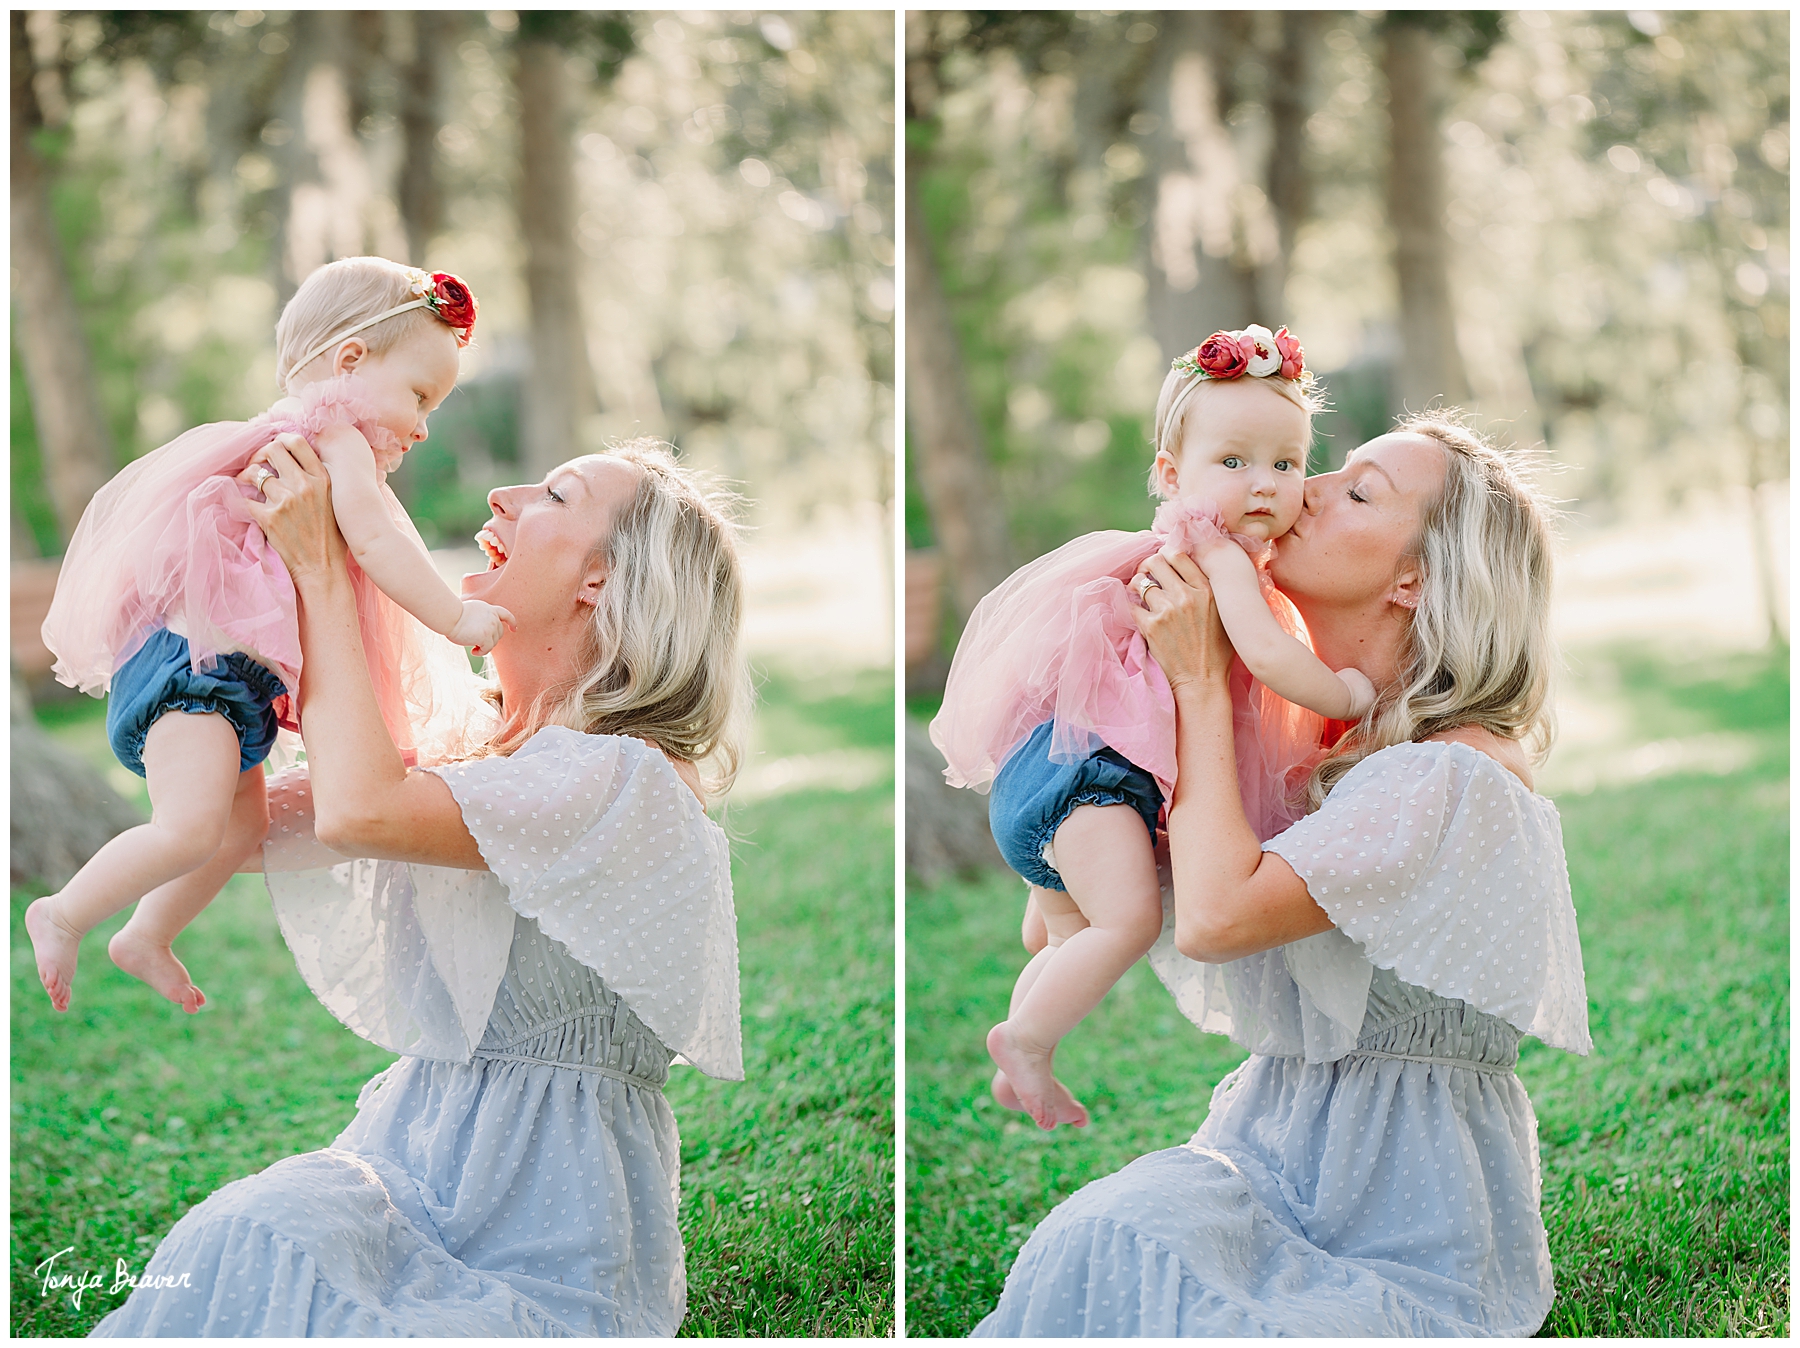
1038	939
141	946
191	768
1110	916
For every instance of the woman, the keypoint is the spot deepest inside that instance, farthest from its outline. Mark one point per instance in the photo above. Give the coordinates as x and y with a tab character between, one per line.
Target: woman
539	927
1372	1169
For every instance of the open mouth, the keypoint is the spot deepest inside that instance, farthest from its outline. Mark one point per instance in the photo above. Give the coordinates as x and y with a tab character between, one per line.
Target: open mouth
491	545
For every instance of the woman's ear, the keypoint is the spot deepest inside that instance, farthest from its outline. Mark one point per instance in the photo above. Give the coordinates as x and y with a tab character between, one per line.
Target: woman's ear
1407	587
591	585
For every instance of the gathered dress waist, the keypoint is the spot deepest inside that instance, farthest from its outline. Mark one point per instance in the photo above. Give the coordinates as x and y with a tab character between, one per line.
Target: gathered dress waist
1446	1034
591	1040
553	1011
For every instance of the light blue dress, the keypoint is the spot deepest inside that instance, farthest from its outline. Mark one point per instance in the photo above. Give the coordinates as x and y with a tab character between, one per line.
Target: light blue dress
527	1184
1372	1168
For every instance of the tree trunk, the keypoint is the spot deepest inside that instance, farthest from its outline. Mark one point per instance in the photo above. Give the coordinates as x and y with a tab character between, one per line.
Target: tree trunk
559	387
1290	188
62	810
967	514
1208	238
946	828
421	118
73	439
1431	365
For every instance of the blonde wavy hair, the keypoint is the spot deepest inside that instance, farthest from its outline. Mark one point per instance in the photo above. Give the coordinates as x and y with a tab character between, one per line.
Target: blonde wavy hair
1181	391
1477	651
663	658
340	295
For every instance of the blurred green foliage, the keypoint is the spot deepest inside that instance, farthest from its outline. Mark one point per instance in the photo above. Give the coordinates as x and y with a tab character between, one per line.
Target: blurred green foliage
734	177
1617	217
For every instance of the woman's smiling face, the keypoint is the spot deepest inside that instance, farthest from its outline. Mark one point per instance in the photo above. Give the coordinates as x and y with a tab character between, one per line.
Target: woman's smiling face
541	540
1359	523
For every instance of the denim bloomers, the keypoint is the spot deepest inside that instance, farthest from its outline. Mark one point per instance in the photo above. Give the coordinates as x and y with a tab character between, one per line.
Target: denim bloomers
1032	796
160	678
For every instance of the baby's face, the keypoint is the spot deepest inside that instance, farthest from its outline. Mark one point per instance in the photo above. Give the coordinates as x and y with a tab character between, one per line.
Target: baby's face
1242	447
408	381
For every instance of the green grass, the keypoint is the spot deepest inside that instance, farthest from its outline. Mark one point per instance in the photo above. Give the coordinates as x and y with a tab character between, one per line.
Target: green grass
1665	1153
125	1113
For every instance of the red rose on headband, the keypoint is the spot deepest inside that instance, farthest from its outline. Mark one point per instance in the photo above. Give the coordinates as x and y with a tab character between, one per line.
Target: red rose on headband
454	302
1293	360
1221	357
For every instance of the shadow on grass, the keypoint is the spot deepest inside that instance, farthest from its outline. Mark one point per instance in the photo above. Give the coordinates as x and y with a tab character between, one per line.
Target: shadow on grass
125	1112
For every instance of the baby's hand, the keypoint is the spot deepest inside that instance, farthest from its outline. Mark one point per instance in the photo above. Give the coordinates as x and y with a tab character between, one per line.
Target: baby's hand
481	626
1362	692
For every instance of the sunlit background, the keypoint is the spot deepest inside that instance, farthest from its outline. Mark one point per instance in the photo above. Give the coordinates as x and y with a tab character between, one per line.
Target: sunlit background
678	224
1574	224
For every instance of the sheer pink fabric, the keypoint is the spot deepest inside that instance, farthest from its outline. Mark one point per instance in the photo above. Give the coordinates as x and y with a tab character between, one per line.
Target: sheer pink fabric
1057	640
168	542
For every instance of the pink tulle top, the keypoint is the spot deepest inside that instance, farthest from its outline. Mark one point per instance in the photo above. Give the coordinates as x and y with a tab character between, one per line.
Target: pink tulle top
168	543
1058	641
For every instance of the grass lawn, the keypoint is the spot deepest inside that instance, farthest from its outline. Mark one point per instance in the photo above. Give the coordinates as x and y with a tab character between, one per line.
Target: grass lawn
125	1113
1665	1153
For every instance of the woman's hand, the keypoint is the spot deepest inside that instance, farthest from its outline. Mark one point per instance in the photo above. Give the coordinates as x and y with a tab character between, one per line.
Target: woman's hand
295	513
1181	622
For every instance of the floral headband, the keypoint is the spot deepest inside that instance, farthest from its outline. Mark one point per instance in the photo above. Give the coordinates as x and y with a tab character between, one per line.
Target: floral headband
446	295
1254	351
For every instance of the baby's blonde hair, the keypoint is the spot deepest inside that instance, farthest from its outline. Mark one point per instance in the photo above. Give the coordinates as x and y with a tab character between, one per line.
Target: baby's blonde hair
1477	650
662	659
1166	436
337	297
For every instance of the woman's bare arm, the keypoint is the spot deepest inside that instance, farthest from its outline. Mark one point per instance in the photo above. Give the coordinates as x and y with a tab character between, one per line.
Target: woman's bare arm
367	803
1231	898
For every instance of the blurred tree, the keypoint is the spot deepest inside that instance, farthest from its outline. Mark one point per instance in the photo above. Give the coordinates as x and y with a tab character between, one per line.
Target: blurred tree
428	38
732	228
1225	104
1431	364
72	436
559	392
967	513
1208	228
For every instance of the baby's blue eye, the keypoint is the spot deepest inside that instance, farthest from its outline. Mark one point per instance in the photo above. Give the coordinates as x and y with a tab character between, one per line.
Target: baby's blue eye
1282	465
1232	461
551	493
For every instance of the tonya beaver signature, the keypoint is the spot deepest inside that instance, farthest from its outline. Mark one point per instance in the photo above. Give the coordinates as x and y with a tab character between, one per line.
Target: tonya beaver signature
77	1283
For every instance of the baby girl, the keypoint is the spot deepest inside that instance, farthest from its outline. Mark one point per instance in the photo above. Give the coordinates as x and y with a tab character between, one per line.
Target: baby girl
171	600
1054	701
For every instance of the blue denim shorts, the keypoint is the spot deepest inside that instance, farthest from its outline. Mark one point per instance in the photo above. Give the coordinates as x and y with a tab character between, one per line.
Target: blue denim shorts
160	678
1032	796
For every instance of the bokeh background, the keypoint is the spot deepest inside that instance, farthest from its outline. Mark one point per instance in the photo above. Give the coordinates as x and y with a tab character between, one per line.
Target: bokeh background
679	225
1574	225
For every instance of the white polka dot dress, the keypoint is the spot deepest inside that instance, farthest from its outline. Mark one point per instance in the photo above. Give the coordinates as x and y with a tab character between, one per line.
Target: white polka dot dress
1380	1180
529	1186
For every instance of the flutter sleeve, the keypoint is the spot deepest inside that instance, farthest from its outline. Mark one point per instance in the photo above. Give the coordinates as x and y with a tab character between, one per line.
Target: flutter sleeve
1439	864
597	838
594	836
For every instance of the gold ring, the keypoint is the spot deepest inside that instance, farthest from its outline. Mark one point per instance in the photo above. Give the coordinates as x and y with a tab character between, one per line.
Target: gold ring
1146	583
263	474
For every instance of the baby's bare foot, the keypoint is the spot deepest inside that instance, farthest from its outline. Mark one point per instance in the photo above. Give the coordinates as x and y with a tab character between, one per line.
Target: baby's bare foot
1004	1094
154	963
1028	1075
57	945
